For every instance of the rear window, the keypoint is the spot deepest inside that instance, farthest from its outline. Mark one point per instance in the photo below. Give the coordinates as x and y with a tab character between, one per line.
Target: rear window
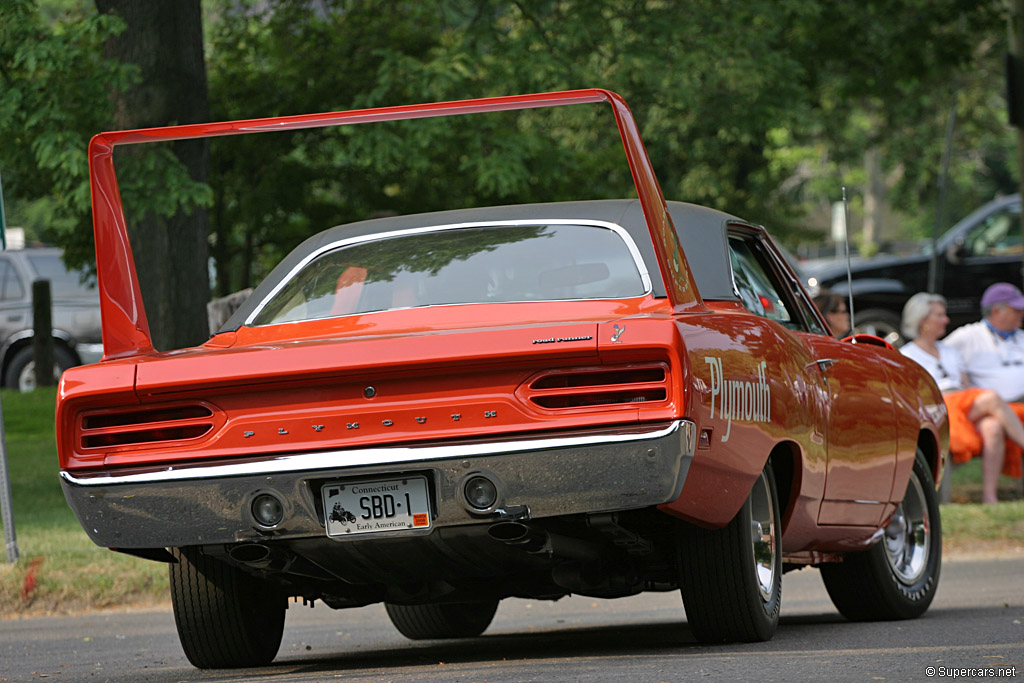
460	265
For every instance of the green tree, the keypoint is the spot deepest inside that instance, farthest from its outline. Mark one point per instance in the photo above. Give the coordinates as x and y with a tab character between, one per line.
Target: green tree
55	85
759	107
884	77
58	87
706	108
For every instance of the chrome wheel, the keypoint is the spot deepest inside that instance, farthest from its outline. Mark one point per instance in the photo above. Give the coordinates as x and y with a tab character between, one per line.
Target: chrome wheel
897	577
762	523
879	323
881	329
20	373
907	537
27	376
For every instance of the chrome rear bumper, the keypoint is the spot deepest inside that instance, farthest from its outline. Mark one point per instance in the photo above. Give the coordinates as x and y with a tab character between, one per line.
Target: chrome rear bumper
210	503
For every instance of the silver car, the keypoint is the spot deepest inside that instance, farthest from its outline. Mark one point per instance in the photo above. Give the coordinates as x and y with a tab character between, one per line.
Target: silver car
76	315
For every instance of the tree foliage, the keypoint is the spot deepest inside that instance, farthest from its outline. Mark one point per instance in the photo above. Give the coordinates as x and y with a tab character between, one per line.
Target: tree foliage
763	108
54	97
887	76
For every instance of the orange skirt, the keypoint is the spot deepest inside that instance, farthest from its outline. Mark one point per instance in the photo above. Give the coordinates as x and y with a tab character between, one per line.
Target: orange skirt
964	439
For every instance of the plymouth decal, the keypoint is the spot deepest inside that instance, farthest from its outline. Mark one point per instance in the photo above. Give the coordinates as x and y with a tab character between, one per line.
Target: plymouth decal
739	399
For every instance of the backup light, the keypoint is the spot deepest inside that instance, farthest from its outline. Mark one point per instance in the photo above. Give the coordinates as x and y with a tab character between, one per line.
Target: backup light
481	493
267	510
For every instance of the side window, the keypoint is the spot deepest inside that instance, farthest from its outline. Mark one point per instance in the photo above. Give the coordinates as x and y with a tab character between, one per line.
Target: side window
997	235
10	284
756	284
813	324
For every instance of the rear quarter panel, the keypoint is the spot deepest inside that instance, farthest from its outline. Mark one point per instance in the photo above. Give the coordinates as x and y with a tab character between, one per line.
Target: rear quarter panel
772	401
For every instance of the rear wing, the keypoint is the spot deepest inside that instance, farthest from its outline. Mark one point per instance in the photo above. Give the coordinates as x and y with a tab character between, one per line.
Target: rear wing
125	326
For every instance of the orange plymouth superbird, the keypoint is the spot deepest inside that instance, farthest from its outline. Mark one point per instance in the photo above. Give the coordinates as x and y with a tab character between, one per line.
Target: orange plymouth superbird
439	411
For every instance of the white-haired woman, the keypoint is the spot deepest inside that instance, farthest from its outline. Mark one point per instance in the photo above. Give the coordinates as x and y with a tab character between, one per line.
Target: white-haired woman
980	421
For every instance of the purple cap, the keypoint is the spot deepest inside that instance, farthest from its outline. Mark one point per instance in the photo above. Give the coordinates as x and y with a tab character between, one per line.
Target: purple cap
1003	293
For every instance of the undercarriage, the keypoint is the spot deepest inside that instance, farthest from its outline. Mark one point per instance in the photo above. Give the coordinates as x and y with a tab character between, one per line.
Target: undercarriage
596	555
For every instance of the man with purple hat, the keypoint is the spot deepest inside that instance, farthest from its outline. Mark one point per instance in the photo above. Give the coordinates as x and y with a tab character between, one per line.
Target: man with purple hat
993	348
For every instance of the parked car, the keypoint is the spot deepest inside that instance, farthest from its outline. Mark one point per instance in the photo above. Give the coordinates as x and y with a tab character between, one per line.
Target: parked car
443	410
75	315
981	249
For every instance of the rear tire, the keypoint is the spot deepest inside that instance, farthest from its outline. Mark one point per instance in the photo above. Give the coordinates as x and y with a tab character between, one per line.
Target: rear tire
21	372
880	323
731	578
225	617
442	620
897	577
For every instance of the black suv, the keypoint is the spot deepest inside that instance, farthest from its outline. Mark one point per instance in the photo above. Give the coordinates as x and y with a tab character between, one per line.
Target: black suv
983	248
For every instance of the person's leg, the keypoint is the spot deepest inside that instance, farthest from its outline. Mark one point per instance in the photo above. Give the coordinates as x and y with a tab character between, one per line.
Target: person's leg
993	450
989	403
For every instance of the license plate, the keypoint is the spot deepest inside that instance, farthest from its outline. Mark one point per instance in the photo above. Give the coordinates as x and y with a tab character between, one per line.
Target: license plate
371	507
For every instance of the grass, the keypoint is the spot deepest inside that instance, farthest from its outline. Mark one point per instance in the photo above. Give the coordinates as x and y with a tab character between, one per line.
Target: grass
967	484
969	521
967	525
61	571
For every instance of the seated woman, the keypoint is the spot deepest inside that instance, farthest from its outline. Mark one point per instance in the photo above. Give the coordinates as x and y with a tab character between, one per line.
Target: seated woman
836	313
980	422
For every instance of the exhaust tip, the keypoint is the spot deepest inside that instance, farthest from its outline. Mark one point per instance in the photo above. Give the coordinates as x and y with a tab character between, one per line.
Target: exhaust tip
249	553
509	532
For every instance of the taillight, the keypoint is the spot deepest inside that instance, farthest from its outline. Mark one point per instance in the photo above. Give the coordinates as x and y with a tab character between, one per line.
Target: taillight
598	386
137	426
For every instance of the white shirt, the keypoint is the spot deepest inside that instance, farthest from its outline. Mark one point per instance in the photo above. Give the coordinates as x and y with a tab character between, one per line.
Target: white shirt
947	370
991	362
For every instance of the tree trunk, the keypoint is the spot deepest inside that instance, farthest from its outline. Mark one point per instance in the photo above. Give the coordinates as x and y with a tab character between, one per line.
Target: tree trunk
247	260
220	245
165	40
874	197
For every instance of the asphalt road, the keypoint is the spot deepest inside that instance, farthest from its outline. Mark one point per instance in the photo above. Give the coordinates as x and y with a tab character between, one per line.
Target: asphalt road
976	621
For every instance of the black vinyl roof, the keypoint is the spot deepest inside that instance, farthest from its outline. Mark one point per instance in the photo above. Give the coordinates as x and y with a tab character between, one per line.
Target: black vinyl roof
701	231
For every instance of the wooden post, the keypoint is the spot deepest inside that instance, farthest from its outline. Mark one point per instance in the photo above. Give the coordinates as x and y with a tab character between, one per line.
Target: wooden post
42	339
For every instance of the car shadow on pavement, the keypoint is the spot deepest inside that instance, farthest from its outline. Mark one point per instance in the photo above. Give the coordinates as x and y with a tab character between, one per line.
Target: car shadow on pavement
571	642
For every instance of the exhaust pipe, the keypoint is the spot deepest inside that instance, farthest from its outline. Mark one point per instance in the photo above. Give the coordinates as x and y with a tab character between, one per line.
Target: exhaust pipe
250	553
541	542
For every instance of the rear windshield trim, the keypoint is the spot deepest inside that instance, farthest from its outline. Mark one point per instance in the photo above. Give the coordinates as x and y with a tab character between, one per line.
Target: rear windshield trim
634	251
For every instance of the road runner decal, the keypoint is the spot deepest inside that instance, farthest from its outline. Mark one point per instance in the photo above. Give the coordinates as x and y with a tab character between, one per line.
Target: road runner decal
739	399
559	340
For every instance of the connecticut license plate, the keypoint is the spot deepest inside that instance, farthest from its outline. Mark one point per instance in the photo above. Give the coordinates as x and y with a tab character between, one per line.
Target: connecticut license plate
375	506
